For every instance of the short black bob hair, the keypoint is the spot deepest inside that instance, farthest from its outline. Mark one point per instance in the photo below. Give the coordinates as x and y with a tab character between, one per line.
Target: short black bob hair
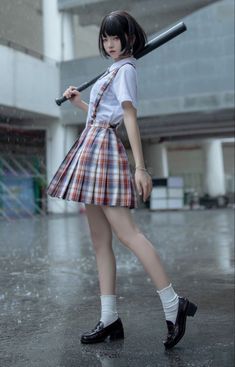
119	23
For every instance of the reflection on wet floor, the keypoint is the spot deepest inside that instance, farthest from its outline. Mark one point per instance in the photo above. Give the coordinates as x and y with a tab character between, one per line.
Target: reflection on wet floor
49	292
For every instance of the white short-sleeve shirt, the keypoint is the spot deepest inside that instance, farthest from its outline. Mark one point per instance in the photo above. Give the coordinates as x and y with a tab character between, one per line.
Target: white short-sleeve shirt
122	88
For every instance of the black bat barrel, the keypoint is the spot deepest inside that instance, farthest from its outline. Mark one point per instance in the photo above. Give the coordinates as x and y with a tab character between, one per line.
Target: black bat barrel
149	47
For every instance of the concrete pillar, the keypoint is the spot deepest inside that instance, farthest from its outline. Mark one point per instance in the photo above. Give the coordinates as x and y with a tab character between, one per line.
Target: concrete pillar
59	141
214	178
156	159
162	161
70	137
58	32
52	35
55	155
68	49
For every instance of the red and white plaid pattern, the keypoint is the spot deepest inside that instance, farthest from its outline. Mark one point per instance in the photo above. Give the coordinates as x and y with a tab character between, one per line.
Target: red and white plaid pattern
96	169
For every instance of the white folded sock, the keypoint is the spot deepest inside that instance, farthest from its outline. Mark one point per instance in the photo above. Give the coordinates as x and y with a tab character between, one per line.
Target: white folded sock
170	302
108	309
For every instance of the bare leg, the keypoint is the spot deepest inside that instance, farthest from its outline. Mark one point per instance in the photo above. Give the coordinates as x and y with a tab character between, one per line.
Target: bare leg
120	220
130	235
101	235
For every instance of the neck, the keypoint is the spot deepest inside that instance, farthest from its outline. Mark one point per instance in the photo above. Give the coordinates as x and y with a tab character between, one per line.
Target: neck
122	58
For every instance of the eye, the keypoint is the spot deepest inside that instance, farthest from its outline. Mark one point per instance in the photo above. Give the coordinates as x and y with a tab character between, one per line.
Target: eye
116	38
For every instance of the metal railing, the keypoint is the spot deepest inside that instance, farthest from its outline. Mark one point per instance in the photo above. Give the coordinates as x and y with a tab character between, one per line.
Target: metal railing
22	186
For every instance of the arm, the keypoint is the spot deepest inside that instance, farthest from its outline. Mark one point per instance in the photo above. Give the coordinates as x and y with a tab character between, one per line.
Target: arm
75	98
83	106
130	121
142	178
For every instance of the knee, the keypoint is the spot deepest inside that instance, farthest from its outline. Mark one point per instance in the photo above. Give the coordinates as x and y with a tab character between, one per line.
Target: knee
101	241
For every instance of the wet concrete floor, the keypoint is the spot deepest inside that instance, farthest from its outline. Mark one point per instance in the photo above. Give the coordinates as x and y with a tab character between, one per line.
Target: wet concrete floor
49	292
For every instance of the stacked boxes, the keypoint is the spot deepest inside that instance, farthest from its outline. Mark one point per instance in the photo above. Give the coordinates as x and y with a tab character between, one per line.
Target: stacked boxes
159	195
167	193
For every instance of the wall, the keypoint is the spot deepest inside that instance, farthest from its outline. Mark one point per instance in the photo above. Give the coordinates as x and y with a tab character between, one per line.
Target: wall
86	39
194	72
28	83
21	22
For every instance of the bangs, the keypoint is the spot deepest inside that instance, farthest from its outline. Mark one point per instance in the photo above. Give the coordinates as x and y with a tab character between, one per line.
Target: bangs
111	27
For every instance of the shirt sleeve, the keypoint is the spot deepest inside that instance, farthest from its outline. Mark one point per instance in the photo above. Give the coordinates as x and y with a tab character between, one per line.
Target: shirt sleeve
125	85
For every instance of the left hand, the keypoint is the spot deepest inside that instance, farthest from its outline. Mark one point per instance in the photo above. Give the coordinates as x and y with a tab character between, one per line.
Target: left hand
143	183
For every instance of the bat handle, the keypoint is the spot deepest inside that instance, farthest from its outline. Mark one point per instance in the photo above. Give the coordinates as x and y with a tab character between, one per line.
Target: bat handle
60	100
63	99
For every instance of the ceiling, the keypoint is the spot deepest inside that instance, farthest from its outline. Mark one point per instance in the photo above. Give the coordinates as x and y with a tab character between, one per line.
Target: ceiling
191	125
153	15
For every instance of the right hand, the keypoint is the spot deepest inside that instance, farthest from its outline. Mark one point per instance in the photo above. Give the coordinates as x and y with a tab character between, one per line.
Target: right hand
144	183
73	95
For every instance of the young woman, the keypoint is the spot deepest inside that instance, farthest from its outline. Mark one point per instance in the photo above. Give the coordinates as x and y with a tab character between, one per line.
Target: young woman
96	172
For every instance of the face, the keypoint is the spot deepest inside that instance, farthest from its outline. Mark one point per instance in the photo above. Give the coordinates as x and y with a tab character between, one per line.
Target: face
112	46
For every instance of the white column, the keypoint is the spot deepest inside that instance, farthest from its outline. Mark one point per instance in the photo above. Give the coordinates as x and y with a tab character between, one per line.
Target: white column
58	32
52	35
156	159
162	161
68	48
55	156
59	141
214	178
71	137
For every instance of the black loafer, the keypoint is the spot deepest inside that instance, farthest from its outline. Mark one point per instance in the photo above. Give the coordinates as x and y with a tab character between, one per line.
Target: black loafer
176	331
100	333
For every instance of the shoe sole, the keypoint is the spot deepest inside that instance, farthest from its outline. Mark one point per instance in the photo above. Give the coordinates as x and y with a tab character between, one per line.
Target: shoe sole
115	335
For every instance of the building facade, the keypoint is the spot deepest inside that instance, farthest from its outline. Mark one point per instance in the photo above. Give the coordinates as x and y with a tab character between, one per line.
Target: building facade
186	93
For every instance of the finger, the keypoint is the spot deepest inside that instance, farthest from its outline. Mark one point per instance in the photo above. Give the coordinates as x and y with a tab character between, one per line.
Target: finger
68	96
70	93
145	193
139	188
150	188
74	93
67	92
147	190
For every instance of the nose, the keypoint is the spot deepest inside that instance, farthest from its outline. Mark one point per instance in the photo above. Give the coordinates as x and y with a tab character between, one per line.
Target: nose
110	43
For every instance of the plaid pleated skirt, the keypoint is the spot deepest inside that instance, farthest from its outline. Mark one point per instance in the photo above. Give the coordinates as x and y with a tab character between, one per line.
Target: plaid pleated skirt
96	170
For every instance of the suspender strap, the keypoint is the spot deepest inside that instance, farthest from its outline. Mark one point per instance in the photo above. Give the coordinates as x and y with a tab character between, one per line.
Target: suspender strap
103	89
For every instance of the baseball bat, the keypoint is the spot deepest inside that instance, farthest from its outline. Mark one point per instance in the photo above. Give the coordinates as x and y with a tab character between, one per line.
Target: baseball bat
149	47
